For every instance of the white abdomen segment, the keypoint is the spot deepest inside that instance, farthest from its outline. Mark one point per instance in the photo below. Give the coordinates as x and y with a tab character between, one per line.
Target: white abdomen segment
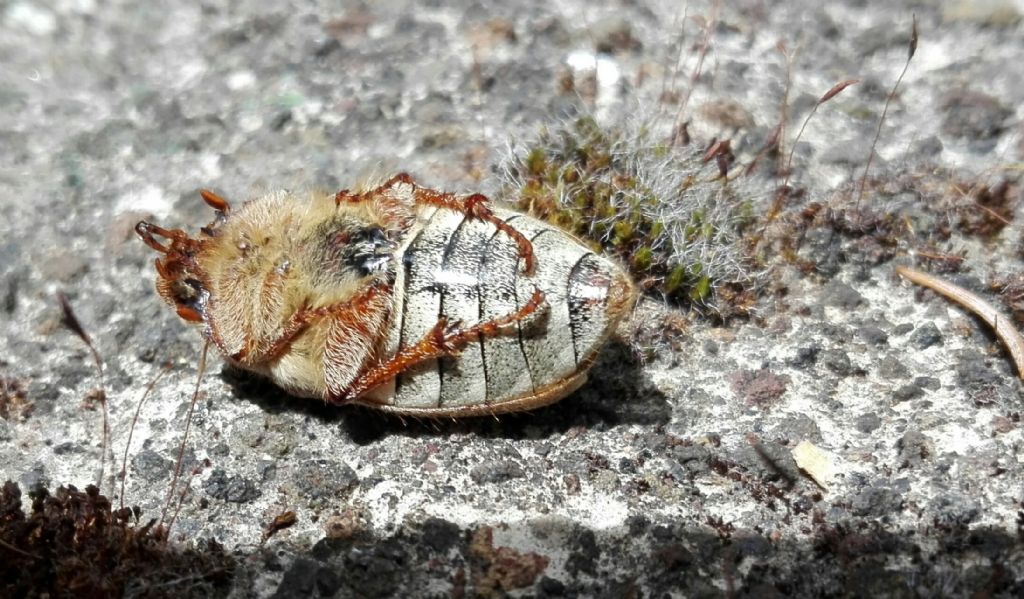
467	270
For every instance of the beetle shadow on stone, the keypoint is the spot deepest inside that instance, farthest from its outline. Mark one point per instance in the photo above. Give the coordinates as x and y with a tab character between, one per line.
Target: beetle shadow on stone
618	391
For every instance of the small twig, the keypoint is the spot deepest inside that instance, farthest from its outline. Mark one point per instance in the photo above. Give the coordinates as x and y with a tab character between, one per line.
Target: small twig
10	547
1010	337
912	48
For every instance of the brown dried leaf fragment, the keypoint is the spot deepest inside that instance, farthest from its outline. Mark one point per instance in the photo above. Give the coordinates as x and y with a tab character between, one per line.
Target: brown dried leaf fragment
1000	323
280	522
499	569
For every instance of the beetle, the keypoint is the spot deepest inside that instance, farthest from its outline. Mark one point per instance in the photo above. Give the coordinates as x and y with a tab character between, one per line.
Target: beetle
401	298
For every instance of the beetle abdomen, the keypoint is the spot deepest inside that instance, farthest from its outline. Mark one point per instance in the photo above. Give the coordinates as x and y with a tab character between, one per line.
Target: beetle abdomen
464	269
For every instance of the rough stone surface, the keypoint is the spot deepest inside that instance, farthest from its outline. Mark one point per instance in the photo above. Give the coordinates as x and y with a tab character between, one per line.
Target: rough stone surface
667	477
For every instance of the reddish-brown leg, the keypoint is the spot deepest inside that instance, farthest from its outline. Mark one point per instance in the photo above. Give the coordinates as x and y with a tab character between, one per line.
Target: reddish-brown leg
474	205
391	210
445	339
351	310
147	230
215	201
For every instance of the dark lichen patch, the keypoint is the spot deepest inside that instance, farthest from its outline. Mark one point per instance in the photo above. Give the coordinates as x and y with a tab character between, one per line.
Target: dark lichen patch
670	213
973	115
73	543
759	388
233	488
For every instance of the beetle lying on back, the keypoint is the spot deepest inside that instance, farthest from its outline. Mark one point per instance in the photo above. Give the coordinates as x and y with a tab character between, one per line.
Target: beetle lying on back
401	298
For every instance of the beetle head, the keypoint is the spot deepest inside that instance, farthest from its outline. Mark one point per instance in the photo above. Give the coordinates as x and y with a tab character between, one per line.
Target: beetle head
180	277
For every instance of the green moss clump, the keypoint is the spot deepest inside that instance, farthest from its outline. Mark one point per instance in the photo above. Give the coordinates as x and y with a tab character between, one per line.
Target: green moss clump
663	210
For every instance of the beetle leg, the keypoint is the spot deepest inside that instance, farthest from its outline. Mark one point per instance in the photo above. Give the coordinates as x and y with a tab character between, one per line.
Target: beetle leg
475	206
444	339
147	231
347	197
351	310
390	209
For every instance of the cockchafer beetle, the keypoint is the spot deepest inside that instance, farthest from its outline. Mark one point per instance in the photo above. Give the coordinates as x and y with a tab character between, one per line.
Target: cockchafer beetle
400	298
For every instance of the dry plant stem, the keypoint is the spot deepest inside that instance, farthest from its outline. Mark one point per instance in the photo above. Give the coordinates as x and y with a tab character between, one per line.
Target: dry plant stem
105	443
992	213
1010	337
131	430
181	499
704	45
885	110
831	93
184	438
10	547
781	193
784	104
667	84
71	321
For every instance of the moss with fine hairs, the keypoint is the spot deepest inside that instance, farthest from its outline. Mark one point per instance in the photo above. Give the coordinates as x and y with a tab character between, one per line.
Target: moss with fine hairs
663	210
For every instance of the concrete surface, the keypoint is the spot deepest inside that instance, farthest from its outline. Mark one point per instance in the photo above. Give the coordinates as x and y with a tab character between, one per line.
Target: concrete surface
668	478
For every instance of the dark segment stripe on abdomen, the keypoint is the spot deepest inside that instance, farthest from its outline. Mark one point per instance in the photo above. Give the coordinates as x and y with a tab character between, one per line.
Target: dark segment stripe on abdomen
508	374
463	378
547	338
465	269
587	294
420	385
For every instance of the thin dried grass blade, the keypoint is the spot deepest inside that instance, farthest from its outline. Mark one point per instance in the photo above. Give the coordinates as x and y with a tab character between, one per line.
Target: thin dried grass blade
836	89
913	38
1000	323
71	320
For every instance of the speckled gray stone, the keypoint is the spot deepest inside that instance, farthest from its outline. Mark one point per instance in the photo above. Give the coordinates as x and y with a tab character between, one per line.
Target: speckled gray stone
646	481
